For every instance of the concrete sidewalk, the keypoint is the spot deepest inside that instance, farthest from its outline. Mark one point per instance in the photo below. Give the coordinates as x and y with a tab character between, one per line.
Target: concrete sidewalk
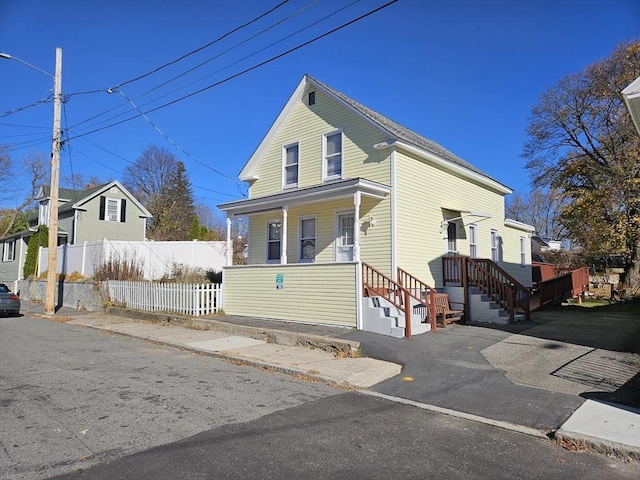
339	369
447	371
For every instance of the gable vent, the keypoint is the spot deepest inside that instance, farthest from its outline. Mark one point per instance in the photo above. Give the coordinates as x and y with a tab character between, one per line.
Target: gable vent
312	98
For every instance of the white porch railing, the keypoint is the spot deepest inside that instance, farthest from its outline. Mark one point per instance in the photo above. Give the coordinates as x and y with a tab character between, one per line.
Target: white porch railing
181	298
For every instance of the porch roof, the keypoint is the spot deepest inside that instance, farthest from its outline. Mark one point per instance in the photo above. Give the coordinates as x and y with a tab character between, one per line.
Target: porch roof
318	193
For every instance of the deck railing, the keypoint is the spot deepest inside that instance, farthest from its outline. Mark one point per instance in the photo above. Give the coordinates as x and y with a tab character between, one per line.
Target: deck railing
494	282
376	283
421	292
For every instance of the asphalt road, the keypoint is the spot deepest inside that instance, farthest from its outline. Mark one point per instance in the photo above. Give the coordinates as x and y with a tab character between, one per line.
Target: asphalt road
72	397
79	403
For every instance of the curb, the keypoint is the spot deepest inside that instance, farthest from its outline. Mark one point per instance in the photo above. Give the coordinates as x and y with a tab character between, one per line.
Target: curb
598	445
334	382
269	335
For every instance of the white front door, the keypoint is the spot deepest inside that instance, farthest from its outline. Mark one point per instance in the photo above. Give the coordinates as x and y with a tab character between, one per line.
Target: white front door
345	237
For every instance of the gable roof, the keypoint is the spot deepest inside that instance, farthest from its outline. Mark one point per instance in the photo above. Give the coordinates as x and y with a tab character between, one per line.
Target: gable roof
74	199
390	128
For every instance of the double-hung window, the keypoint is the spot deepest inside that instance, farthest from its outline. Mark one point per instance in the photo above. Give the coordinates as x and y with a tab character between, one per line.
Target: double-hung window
274	232
113	209
9	254
473	241
345	237
452	237
523	252
495	240
332	149
290	154
307	239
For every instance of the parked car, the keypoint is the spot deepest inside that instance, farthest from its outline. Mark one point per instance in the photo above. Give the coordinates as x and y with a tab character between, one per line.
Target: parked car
9	301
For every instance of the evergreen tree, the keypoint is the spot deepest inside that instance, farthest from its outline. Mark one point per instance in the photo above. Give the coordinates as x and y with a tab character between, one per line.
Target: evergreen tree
39	239
173	208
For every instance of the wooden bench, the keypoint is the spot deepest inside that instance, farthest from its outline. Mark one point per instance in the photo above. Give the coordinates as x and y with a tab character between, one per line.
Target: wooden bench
443	310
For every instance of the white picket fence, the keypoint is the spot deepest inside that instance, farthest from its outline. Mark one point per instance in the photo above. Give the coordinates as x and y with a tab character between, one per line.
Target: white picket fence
182	298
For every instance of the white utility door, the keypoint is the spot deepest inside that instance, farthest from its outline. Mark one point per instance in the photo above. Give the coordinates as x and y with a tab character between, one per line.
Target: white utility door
344	237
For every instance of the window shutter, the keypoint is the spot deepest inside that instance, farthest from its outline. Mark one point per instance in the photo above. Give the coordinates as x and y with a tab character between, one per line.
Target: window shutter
123	210
102	207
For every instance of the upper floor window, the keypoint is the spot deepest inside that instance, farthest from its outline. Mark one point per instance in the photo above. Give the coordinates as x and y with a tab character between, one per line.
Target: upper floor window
473	241
495	241
113	209
307	239
273	241
9	254
332	149
291	165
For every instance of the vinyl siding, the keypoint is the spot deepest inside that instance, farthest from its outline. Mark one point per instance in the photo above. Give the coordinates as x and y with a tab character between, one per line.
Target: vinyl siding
91	228
306	126
423	190
510	254
318	293
375	241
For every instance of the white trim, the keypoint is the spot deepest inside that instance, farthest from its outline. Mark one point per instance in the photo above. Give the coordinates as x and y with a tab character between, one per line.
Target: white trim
229	243
317	193
519	225
523	252
474	240
325	175
337	231
394	216
106	209
358	279
284	228
494	242
266	239
315	238
455	168
286	186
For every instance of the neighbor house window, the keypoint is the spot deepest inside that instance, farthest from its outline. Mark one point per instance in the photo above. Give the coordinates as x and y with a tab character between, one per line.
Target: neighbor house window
473	241
291	166
274	232
523	252
495	239
332	156
113	209
307	239
9	254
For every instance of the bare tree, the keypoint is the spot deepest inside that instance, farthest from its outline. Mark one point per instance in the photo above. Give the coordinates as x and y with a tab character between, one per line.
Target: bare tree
582	142
149	174
35	167
541	209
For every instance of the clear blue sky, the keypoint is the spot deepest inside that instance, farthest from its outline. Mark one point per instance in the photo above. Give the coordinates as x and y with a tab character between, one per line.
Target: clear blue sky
464	73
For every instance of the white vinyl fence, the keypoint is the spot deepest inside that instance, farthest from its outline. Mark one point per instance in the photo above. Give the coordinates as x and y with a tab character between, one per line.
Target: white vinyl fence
182	298
155	259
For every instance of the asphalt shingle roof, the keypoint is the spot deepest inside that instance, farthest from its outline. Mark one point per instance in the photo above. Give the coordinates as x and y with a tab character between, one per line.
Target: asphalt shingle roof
402	133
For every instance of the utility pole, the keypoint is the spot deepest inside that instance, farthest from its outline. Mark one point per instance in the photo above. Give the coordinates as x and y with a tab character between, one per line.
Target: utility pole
49	306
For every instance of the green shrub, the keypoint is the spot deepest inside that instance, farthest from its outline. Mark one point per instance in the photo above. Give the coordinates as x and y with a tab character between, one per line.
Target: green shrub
39	239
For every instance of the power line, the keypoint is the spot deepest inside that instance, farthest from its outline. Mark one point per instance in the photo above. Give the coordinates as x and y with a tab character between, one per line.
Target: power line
157	129
247	70
115	89
202	47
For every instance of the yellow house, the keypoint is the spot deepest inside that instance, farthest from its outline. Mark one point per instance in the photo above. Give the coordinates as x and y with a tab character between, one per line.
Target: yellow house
352	216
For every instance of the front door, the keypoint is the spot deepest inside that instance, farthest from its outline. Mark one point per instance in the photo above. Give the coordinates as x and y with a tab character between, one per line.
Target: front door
344	237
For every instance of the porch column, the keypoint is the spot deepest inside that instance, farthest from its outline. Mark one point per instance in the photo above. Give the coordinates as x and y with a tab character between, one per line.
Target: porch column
229	243
283	236
356	227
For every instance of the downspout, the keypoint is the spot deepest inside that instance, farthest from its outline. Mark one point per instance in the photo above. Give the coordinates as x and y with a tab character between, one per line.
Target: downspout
394	226
357	197
283	235
229	244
